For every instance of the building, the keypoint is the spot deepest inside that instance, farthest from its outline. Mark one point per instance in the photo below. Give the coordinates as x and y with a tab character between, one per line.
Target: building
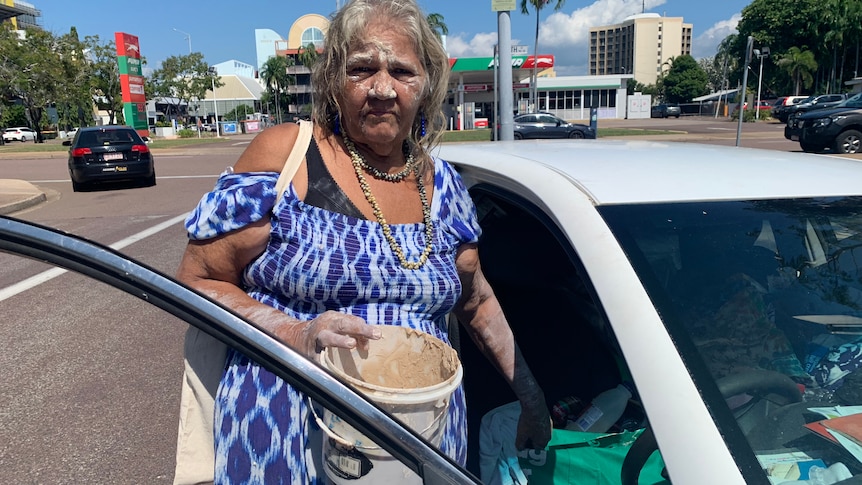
641	46
22	15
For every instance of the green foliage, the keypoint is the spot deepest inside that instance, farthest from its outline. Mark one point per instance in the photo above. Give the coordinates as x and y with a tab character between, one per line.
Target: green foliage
105	90
831	30
13	115
181	79
685	80
275	79
435	21
187	133
748	115
799	65
238	113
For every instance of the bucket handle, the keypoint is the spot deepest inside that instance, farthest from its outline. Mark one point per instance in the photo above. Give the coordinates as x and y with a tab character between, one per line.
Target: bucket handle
342	441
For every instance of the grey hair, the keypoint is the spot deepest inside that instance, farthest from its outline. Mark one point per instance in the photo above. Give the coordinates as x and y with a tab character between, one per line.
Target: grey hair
347	29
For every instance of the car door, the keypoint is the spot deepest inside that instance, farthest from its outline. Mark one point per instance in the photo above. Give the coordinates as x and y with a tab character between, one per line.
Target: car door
119	272
552	127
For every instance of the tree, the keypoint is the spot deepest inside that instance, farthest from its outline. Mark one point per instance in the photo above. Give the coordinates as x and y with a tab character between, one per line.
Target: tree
73	103
275	79
799	64
182	79
104	86
29	71
685	80
435	21
538	5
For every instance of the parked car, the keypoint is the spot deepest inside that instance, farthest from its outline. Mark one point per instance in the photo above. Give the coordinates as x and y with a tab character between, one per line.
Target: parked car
20	133
545	125
819	102
782	104
208	127
813	102
665	110
107	154
838	128
708	290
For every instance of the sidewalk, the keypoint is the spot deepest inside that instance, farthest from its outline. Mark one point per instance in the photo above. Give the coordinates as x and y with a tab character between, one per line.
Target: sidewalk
17	195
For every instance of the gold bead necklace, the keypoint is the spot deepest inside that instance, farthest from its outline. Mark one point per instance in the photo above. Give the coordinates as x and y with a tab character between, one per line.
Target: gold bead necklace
358	165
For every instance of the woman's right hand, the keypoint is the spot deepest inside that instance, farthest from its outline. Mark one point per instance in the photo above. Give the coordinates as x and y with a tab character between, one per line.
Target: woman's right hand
330	329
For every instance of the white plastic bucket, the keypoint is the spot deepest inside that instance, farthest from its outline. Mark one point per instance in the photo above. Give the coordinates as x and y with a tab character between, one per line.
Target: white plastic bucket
410	374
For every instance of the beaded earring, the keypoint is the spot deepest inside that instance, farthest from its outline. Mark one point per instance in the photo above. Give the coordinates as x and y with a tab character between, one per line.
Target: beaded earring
422	125
336	122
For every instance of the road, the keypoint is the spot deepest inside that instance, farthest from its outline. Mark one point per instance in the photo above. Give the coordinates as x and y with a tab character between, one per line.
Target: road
91	388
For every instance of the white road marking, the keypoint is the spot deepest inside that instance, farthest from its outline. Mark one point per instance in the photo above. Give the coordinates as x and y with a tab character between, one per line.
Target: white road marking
52	273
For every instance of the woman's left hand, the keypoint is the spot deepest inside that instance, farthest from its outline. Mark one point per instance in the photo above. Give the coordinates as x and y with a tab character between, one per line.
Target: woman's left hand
534	427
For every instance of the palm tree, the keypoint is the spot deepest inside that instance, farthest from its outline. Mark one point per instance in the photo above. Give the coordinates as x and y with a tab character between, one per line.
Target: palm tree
435	21
307	56
275	78
538	5
799	65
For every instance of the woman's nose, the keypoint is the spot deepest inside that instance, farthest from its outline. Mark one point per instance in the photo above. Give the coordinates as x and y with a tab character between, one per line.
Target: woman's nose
382	88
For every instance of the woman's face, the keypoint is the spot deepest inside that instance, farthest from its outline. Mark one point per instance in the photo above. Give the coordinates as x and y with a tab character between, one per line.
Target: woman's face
386	82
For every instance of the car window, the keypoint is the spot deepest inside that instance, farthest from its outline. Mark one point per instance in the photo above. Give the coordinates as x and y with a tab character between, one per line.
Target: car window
548	119
768	292
526	119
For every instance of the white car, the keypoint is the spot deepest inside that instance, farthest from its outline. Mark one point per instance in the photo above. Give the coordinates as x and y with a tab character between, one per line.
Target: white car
21	133
724	284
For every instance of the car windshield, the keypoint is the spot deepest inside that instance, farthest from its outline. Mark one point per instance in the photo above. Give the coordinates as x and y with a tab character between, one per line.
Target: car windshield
854	101
763	299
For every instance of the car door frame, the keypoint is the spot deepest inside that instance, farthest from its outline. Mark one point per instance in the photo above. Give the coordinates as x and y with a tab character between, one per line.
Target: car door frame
109	266
657	369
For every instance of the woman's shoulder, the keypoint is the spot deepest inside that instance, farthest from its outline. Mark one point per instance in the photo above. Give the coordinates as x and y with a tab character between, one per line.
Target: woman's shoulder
268	150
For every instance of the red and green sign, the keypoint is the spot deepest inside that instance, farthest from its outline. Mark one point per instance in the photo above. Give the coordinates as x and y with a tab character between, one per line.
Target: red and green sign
132	81
546	61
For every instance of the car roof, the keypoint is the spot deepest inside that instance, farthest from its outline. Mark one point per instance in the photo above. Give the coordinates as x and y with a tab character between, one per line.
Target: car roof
622	172
106	127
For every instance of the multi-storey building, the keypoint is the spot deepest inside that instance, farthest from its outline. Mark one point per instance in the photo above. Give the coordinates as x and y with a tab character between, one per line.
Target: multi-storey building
21	14
641	46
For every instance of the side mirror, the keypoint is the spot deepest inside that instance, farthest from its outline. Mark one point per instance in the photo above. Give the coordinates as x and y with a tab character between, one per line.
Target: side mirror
67	143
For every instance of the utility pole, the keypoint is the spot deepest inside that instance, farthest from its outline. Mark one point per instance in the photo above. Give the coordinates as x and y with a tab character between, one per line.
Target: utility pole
742	89
188	37
504	41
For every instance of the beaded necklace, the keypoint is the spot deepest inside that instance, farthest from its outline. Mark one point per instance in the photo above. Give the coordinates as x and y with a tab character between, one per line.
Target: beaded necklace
378	174
359	164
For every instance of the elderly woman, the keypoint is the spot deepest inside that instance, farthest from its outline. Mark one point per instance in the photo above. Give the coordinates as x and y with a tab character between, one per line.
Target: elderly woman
371	231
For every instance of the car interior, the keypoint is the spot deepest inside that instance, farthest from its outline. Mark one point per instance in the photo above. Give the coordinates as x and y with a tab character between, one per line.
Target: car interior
552	314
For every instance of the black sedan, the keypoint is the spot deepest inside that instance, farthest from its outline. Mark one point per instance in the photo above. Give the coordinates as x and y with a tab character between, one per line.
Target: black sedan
544	125
109	153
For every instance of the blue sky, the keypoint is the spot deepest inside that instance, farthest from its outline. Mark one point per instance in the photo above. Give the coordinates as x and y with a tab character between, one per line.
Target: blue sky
223	30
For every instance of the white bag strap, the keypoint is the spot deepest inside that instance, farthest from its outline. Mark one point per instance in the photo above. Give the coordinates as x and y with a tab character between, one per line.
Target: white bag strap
297	154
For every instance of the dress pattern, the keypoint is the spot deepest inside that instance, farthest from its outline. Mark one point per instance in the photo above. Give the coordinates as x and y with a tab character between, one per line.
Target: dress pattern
318	260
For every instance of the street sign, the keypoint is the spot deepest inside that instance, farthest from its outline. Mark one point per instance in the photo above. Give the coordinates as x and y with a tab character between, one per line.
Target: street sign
503	5
518	50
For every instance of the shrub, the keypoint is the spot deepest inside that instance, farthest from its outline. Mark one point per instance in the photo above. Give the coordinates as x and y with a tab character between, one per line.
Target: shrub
186	133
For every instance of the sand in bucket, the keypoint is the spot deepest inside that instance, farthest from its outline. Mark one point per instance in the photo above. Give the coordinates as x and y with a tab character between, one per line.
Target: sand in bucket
410	374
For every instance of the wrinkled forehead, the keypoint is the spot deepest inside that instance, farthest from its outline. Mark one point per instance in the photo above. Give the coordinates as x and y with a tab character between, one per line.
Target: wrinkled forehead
382	37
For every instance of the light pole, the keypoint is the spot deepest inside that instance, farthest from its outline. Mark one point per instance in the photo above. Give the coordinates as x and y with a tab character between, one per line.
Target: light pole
760	53
188	37
213	73
743	88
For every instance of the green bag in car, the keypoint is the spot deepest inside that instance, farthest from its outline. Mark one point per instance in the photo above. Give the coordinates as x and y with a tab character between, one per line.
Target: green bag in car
576	457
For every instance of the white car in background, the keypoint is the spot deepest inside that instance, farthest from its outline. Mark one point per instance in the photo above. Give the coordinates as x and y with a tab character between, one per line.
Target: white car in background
20	133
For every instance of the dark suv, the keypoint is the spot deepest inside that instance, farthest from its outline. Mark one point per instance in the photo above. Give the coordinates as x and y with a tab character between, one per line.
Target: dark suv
838	128
109	153
665	110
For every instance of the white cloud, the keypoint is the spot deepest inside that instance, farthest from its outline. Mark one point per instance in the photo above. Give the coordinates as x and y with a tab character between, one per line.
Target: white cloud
480	45
566	35
706	44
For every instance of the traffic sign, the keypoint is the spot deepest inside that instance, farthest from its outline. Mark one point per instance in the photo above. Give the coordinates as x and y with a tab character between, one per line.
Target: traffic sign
502	5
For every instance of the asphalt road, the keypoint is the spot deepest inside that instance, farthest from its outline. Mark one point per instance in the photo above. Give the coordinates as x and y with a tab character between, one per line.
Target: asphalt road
91	388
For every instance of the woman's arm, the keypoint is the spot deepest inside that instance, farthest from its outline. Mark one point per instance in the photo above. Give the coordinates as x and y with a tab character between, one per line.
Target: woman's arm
482	316
215	266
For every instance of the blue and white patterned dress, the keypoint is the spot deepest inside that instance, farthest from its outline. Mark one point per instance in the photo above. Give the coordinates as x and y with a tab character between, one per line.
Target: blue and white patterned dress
318	260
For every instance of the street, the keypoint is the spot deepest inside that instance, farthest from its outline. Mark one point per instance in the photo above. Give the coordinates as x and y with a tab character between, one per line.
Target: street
91	391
